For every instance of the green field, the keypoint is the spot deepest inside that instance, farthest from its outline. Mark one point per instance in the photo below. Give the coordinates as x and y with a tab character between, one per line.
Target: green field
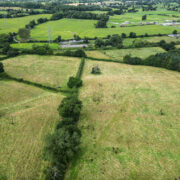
129	41
118	54
137	17
3	12
68	27
13	24
27	115
129	123
29	45
52	71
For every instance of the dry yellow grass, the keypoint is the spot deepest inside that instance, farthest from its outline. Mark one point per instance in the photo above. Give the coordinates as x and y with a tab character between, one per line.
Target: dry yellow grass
129	123
97	54
34	114
49	70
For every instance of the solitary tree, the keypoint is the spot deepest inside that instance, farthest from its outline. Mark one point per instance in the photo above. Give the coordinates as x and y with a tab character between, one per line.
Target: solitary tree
175	32
24	34
144	17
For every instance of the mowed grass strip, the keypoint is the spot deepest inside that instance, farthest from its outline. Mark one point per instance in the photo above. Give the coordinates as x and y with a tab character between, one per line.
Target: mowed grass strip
97	54
54	46
14	24
85	28
27	115
53	71
129	123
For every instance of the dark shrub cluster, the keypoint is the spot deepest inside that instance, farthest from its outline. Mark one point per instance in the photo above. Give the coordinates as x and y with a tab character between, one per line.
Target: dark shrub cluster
74	82
167	46
1	67
132	60
76	53
42	50
169	60
63	144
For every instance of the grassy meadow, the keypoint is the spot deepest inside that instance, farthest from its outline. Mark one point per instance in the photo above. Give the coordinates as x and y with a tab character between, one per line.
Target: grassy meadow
85	28
52	71
27	115
129	41
118	54
13	24
29	45
137	17
129	124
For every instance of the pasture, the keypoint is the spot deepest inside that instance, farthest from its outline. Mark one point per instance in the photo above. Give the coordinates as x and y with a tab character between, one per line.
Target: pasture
53	46
51	71
129	123
129	41
118	54
13	24
85	28
27	115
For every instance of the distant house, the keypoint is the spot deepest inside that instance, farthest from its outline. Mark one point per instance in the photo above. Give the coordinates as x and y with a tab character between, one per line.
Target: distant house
122	25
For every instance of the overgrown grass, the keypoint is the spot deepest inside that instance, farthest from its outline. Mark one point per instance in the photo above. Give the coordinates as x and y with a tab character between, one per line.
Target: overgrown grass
118	54
27	115
13	24
129	124
52	71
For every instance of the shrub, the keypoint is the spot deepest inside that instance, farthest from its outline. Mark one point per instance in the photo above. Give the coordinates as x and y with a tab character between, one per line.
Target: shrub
74	82
96	70
1	67
12	52
132	60
70	107
42	50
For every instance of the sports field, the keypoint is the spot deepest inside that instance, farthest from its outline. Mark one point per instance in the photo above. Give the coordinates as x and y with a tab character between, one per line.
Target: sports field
27	115
52	71
85	28
129	123
13	24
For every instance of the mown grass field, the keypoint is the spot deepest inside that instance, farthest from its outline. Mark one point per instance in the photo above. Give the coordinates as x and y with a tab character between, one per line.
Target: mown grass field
85	28
118	54
129	41
13	24
129	123
137	17
29	45
27	115
52	71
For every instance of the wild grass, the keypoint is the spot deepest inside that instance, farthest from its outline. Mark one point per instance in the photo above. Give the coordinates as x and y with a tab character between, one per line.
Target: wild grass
118	54
27	115
53	71
13	24
129	123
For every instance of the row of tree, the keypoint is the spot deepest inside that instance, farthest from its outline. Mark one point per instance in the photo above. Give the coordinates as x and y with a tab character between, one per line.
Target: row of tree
62	146
169	60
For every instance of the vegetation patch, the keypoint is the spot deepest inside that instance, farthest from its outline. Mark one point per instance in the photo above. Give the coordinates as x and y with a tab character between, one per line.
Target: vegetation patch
52	71
129	123
27	114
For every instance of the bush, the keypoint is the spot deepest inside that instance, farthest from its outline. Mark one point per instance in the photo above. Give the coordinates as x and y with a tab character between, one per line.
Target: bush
42	50
70	107
1	67
77	53
12	52
74	82
132	60
96	70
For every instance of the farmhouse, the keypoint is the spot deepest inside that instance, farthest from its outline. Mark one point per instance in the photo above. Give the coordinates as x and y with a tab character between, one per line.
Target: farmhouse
177	36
